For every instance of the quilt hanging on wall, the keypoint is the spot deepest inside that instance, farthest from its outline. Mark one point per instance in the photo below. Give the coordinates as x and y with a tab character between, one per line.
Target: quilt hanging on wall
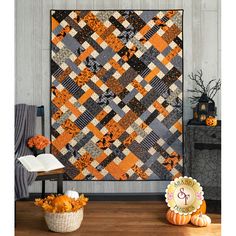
116	93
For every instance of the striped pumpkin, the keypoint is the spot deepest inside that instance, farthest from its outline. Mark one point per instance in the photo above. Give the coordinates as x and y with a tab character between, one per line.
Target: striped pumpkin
177	219
200	220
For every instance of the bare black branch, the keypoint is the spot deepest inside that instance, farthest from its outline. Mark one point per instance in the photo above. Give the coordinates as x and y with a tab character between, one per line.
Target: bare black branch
200	88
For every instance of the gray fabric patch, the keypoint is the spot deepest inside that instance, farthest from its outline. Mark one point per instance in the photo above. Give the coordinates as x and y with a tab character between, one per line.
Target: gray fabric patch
104	15
62	55
92	149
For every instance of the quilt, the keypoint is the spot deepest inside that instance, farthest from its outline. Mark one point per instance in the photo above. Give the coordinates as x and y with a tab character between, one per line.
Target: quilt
116	93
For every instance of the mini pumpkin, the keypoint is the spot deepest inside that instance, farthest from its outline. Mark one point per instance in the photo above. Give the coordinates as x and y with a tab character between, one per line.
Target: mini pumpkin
200	220
211	121
176	218
72	193
202	209
61	202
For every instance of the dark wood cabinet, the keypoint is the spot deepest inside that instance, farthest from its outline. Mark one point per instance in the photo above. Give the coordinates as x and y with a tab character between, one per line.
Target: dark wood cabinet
203	158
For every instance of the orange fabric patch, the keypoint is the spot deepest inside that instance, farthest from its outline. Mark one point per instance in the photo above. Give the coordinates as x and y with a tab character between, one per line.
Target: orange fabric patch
80	176
62	140
128	162
83	161
114	85
170	14
101	115
99	40
116	66
114	42
139	172
115	171
139	87
86	53
72	108
83	77
114	128
61	98
95	130
130	139
128	119
85	96
54	23
99	83
57	39
57	115
64	74
94	172
70	127
102	157
171	55
158	42
144	30
152	74
178	126
160	108
94	23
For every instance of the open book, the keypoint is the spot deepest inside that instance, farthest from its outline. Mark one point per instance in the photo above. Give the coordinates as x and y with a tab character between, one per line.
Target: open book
43	162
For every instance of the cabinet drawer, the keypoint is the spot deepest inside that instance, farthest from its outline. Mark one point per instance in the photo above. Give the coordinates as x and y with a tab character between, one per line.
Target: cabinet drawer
207	135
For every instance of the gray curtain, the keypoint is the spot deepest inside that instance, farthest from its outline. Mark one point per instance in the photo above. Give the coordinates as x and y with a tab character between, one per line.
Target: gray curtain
25	118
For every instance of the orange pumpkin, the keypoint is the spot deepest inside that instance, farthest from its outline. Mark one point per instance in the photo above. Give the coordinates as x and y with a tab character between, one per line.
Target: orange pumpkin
200	220
202	209
177	219
211	121
61	202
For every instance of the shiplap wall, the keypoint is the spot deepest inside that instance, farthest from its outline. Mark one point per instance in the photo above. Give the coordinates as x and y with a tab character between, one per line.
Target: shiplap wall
201	50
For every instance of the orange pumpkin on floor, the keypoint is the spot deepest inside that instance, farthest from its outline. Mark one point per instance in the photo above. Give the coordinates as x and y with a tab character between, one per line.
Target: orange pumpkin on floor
177	219
202	209
211	121
200	220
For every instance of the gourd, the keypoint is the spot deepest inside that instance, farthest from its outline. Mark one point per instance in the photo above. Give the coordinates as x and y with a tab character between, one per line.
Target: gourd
202	209
200	220
176	218
72	194
211	121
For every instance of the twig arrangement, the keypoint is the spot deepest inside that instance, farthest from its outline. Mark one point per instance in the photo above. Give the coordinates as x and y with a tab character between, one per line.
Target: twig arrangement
201	88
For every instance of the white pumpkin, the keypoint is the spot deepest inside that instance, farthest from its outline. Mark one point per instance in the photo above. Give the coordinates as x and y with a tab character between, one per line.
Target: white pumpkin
72	193
200	220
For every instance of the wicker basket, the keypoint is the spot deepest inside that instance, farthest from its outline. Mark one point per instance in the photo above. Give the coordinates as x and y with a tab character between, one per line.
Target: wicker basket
64	222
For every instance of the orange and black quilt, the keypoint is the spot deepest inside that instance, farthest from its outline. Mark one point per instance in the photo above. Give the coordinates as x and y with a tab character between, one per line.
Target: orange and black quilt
116	93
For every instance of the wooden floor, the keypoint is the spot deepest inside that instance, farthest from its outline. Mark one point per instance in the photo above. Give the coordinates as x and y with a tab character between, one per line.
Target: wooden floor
103	218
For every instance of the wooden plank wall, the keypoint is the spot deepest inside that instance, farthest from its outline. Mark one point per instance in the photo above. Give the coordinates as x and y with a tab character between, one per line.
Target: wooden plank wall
201	50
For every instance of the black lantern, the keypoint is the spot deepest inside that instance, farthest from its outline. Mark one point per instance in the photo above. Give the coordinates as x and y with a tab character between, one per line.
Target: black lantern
204	108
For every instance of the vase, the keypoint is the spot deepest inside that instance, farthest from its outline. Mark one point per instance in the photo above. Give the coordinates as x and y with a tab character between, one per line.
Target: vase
36	151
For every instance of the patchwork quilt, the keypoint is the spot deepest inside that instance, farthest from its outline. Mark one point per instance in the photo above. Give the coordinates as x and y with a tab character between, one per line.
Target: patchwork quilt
116	93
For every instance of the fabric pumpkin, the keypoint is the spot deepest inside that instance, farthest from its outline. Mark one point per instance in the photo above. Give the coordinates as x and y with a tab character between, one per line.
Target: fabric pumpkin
202	209
211	121
177	219
200	220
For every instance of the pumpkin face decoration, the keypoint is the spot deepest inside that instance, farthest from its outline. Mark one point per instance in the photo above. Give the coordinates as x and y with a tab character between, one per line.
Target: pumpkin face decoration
200	220
202	209
177	219
211	121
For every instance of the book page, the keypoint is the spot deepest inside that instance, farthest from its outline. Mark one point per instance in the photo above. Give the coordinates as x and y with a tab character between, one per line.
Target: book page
31	163
49	162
